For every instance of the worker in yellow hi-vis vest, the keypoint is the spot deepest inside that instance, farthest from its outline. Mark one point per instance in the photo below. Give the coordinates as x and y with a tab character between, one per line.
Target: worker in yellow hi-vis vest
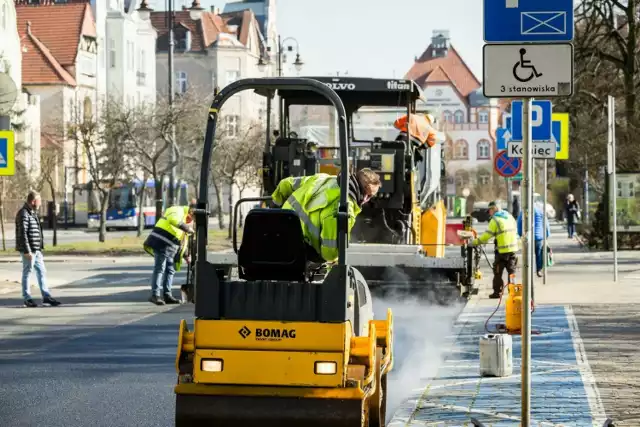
316	198
502	228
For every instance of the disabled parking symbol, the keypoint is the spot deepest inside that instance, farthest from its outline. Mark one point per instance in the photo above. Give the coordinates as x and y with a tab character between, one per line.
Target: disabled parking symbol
525	64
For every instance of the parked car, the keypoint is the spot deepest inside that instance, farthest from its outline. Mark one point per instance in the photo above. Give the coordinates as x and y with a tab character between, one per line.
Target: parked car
480	211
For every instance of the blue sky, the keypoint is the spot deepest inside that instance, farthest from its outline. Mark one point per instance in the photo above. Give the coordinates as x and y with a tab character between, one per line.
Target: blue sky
375	38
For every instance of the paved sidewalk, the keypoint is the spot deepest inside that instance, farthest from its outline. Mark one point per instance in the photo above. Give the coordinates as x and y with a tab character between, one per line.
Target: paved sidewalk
584	363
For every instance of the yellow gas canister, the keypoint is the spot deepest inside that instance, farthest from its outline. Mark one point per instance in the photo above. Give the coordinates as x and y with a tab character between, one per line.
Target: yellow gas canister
513	308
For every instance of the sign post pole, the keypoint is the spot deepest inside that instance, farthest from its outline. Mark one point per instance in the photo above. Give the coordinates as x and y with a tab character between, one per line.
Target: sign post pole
526	268
528	52
545	258
613	190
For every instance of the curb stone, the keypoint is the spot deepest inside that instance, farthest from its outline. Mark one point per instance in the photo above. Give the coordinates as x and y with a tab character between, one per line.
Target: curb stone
76	257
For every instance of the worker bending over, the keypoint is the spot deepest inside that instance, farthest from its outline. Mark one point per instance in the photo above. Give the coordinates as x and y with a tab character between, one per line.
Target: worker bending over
502	227
167	242
316	198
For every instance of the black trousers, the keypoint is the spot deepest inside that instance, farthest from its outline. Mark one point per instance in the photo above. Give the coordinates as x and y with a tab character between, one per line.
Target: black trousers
314	260
508	261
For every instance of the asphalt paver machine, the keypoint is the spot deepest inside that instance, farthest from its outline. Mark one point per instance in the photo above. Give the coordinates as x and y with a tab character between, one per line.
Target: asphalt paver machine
398	241
273	347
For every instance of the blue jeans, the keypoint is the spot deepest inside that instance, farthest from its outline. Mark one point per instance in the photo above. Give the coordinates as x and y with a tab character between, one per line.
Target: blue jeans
163	272
539	257
28	265
571	228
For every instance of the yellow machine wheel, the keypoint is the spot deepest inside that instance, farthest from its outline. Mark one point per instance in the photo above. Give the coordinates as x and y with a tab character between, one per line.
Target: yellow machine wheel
378	401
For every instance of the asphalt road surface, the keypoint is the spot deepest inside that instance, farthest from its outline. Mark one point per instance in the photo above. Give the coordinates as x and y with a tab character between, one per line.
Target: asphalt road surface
106	356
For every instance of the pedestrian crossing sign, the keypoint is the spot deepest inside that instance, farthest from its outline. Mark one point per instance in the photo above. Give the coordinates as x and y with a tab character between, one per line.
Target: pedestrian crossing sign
7	153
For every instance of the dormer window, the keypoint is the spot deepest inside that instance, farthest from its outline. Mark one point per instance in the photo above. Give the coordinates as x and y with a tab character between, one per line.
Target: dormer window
184	42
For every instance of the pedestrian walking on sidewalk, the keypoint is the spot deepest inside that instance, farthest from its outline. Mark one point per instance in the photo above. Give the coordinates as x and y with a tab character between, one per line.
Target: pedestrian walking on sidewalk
538	231
30	244
572	214
167	242
502	228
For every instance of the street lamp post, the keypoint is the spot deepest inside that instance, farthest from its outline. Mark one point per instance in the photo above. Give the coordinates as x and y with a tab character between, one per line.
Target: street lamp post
265	60
195	13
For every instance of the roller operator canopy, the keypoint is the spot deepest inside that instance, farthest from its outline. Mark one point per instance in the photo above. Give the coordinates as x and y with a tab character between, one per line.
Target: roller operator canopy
357	92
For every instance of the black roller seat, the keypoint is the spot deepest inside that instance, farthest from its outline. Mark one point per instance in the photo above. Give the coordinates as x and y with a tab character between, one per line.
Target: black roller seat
273	247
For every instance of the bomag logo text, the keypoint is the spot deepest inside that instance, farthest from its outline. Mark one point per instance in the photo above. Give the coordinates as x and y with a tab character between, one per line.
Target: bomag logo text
274	334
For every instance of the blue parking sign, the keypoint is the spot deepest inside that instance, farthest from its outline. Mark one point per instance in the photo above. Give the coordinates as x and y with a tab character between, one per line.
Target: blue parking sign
541	121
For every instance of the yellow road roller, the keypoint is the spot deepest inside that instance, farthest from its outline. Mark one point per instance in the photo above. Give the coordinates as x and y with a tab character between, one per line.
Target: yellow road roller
279	345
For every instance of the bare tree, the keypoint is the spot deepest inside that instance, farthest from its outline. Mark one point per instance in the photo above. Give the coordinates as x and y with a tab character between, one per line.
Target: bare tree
108	154
150	135
50	161
607	43
239	153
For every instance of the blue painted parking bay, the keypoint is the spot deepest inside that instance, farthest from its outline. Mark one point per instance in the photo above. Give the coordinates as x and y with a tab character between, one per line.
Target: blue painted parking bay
563	390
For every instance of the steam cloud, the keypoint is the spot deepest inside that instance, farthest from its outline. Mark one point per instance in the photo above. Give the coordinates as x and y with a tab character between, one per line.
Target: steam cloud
421	328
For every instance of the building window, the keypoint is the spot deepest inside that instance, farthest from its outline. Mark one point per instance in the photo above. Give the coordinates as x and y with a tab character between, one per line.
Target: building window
461	150
462	178
448	150
181	82
484	150
87	110
459	116
101	50
87	66
3	16
231	126
446	116
232	76
112	53
483	116
484	178
130	56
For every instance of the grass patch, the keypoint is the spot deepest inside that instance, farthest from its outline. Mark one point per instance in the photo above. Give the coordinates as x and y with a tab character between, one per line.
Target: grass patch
128	245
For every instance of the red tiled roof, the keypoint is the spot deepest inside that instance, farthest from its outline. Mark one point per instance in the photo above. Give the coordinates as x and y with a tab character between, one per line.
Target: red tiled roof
243	20
59	26
39	66
450	68
204	32
51	34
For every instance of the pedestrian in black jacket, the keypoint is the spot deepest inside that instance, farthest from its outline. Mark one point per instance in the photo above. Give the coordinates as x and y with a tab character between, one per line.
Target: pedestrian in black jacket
572	214
30	243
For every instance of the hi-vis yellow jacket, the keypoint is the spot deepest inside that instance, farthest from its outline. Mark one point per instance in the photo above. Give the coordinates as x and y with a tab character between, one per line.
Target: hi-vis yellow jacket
503	227
168	235
315	199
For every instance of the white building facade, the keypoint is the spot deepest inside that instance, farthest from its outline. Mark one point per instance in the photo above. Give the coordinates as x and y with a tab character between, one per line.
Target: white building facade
211	53
26	106
470	120
127	45
63	74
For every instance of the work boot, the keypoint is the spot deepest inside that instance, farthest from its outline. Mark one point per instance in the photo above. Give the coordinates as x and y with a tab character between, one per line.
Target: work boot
51	301
156	299
169	299
495	295
30	303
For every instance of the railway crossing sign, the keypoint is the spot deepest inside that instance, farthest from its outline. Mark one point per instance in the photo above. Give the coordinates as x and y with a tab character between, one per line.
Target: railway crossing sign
506	166
527	21
7	153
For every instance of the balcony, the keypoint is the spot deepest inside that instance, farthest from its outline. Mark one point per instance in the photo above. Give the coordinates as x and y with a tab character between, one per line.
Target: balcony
465	126
141	78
